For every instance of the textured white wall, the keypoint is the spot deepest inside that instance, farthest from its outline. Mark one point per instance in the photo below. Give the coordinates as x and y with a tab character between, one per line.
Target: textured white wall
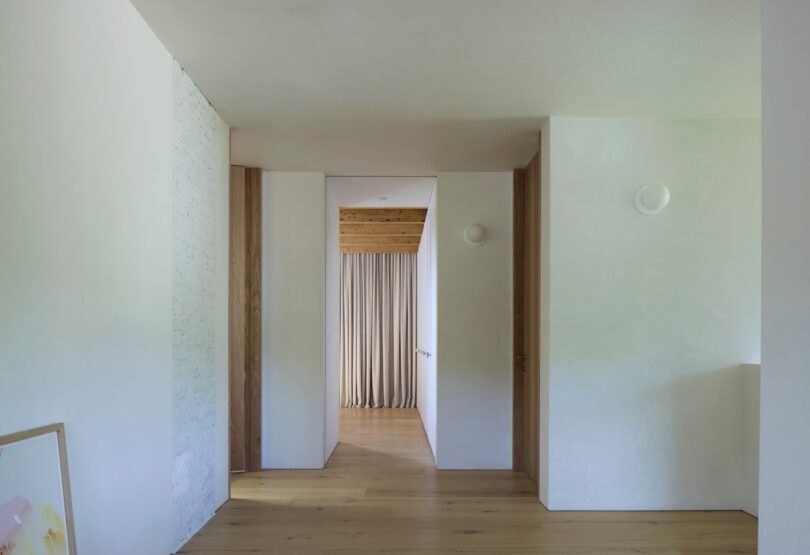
86	257
650	317
199	310
474	322
785	450
115	313
293	318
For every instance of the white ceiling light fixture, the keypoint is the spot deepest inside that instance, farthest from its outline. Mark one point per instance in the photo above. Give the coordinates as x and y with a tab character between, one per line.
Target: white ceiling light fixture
475	234
652	199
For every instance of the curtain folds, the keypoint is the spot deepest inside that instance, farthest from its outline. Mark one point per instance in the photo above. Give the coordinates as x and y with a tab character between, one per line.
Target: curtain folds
378	330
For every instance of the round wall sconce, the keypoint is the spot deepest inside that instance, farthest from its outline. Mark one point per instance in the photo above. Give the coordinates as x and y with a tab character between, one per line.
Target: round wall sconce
475	234
652	199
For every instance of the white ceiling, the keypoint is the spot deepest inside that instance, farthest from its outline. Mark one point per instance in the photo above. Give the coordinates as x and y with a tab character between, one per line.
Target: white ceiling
381	192
398	87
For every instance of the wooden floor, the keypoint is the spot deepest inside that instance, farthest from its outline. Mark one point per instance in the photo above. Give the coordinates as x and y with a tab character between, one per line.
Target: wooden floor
380	493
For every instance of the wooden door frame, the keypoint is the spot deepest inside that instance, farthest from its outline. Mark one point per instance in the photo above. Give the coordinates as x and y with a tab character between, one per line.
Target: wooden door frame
518	316
245	319
526	319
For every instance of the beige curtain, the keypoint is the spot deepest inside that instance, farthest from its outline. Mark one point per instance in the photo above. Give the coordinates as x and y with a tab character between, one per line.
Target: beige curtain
378	330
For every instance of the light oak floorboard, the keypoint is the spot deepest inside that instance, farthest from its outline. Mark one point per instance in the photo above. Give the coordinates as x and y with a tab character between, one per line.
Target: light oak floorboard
380	493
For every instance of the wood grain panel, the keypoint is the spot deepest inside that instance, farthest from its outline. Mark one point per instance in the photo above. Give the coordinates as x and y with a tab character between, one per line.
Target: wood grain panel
237	319
244	319
381	229
518	304
383	215
531	326
379	248
348	240
253	330
370	230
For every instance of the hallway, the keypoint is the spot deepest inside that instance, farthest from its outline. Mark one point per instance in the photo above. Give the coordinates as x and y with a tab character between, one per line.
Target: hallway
380	493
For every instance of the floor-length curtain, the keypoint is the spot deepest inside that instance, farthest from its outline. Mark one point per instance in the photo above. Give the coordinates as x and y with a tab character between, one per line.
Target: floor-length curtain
378	330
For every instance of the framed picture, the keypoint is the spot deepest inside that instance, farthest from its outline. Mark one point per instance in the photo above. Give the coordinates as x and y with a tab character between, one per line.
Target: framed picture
36	517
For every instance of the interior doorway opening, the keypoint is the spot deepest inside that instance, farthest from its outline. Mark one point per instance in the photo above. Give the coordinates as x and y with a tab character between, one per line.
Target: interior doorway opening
378	350
378	293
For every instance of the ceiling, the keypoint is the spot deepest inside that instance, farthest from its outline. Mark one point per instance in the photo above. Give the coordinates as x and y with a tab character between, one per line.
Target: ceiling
381	192
370	206
414	87
366	230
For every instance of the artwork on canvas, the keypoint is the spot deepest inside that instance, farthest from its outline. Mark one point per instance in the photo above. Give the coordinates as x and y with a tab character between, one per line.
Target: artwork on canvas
35	513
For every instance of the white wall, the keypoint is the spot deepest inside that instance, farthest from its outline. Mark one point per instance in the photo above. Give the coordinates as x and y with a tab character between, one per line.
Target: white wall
86	243
650	317
474	322
426	326
293	317
750	426
332	324
785	450
199	310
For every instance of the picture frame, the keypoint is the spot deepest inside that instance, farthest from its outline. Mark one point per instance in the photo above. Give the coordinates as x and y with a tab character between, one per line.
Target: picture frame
36	510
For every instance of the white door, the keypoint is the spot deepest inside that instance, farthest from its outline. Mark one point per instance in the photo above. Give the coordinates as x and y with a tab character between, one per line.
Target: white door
426	328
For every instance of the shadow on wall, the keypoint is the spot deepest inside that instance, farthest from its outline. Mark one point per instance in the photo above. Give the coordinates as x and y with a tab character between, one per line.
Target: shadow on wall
707	438
682	443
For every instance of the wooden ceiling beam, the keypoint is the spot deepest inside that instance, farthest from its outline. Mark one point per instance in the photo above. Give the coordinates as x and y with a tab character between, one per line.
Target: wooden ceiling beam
381	229
383	215
380	240
378	248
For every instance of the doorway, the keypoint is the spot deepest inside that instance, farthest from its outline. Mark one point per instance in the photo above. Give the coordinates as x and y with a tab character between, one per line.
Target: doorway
526	319
378	317
378	350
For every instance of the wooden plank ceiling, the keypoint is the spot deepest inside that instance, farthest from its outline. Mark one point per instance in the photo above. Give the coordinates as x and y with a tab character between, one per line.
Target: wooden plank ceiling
381	229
